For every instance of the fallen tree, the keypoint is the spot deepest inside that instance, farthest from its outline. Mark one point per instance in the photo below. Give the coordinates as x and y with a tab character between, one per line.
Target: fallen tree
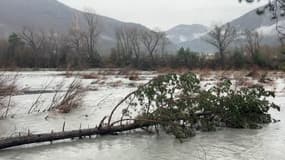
178	105
81	133
50	137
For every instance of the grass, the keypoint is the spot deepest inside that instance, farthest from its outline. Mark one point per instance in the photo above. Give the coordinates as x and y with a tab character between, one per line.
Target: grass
70	100
8	88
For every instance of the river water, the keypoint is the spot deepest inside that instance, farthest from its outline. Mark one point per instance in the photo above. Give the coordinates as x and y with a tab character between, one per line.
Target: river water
226	144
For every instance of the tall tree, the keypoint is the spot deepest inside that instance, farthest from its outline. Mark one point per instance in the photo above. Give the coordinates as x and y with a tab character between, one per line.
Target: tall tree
75	41
128	45
35	41
91	36
221	37
253	40
151	40
14	42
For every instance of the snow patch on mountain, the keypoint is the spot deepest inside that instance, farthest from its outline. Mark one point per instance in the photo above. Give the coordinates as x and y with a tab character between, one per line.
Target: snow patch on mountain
269	30
184	33
198	35
105	37
182	38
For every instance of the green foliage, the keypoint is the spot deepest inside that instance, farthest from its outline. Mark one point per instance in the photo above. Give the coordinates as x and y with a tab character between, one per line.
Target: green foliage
94	59
282	66
14	40
187	58
243	108
180	106
238	58
259	59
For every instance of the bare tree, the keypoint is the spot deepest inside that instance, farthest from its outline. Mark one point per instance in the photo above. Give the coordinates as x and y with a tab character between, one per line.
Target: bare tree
53	40
75	42
92	34
151	40
221	37
164	43
47	49
135	44
253	40
128	44
124	50
35	40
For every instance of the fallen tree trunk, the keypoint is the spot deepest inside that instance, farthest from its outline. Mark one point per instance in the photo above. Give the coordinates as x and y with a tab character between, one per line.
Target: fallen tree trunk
49	137
107	130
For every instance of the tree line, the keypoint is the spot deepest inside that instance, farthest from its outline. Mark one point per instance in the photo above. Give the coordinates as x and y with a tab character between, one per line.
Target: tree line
137	48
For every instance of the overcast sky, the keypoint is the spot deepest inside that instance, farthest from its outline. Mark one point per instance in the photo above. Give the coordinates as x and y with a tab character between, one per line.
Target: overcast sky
165	14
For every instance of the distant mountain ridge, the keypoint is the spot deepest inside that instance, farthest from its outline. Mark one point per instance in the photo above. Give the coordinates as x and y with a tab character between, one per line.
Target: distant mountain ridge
249	21
183	33
53	15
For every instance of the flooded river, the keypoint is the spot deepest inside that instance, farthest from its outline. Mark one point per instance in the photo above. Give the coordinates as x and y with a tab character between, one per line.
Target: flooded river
226	144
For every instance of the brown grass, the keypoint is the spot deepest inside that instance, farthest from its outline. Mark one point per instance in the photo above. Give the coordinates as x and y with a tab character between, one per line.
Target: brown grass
107	72
90	76
204	74
115	84
68	73
255	74
134	76
8	88
72	98
166	70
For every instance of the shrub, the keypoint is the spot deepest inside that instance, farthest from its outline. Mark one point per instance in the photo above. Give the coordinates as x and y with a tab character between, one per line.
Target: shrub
90	76
8	88
71	99
238	59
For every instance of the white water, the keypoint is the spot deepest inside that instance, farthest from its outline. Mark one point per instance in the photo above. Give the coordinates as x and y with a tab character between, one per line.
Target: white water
226	144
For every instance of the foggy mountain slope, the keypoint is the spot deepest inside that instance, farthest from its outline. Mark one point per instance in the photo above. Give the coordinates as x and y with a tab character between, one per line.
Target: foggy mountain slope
249	21
253	21
43	14
53	15
183	33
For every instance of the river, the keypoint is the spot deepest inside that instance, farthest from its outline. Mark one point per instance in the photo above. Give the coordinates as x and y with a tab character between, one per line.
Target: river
225	144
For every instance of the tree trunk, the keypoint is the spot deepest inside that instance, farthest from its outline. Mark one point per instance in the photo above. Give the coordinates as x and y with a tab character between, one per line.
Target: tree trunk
49	137
107	130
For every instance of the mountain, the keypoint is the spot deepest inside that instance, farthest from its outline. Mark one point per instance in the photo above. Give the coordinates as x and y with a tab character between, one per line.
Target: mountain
183	33
263	24
191	37
53	15
253	21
